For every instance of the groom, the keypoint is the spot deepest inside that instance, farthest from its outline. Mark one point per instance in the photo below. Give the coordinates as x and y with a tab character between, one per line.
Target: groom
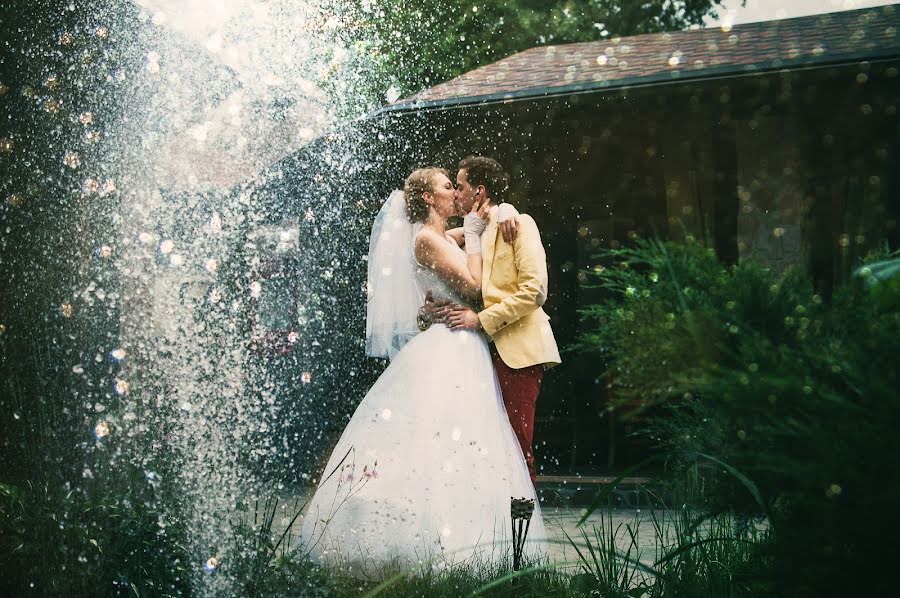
513	289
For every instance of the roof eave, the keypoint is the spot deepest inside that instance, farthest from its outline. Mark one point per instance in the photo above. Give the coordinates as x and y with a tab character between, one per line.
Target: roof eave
662	78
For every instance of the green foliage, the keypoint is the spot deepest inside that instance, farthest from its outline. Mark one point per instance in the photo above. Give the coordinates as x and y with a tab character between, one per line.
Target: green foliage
294	575
416	45
784	391
478	579
719	556
112	541
606	569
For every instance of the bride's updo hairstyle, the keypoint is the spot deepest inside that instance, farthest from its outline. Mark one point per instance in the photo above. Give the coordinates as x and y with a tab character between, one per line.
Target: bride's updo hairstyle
418	183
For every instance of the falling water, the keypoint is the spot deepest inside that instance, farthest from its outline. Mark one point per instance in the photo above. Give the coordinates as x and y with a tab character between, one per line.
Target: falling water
147	126
253	75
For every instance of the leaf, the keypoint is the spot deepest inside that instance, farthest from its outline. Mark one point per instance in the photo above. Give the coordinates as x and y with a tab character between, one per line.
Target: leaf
683	548
11	491
747	482
513	575
604	493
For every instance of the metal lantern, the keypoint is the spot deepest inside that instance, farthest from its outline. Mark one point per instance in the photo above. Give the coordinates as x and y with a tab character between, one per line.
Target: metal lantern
520	510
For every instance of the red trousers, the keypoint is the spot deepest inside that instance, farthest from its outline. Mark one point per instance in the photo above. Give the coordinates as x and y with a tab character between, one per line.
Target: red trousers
520	390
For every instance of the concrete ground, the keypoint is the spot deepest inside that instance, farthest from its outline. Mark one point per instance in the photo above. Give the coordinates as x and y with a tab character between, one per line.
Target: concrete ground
564	535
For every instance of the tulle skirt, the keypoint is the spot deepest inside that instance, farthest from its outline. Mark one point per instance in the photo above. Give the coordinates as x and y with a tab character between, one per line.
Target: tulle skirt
425	469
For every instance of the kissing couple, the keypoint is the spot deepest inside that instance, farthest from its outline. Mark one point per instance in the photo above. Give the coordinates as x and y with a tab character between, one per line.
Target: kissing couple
425	469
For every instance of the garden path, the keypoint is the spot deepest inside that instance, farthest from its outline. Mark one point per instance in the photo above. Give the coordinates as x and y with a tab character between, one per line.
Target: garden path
561	524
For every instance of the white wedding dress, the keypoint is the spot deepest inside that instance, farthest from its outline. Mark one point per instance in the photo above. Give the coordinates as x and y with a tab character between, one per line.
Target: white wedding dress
424	471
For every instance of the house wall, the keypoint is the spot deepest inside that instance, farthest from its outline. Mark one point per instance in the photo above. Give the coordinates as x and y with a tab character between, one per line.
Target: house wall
794	169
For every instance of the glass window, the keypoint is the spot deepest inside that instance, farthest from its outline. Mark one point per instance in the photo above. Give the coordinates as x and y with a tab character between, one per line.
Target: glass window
275	305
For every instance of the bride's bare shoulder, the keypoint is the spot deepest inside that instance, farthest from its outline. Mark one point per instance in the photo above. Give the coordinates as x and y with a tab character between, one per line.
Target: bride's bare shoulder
429	244
427	236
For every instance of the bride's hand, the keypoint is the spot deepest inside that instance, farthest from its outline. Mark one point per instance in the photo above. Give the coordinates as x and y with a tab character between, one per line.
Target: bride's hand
508	217
482	208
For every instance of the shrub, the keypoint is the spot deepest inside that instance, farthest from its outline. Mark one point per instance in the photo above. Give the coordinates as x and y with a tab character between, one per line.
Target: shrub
796	396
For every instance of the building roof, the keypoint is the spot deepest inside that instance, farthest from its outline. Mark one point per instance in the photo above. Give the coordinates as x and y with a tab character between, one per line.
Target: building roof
831	38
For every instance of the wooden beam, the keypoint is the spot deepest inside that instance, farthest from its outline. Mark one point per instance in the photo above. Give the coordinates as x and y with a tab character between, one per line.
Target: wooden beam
593	480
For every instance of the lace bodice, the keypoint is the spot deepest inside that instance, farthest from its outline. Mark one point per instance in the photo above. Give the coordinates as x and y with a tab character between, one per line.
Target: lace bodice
427	279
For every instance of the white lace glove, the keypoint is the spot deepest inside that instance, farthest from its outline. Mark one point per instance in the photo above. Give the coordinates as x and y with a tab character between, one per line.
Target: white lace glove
473	226
505	211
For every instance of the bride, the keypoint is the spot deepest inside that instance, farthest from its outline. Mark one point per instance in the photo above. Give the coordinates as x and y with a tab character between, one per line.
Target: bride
425	469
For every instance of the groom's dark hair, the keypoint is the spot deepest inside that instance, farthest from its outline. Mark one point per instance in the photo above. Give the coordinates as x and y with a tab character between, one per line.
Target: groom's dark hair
481	170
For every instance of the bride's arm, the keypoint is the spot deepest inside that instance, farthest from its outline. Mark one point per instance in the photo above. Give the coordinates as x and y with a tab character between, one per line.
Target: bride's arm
434	252
457	235
508	218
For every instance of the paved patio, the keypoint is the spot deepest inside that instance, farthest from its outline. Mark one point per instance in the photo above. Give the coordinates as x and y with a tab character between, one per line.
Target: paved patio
563	532
564	535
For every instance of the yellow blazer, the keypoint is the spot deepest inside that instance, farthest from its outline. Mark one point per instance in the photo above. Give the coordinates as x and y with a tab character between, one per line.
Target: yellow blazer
514	287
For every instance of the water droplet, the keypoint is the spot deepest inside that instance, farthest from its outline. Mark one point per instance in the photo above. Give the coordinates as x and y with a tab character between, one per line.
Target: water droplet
392	94
101	430
214	42
72	160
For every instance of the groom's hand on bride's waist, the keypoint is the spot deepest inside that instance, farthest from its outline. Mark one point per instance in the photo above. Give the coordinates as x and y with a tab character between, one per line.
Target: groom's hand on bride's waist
462	318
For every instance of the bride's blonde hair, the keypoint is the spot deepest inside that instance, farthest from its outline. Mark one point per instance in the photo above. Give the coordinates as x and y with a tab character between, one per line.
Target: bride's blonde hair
421	181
